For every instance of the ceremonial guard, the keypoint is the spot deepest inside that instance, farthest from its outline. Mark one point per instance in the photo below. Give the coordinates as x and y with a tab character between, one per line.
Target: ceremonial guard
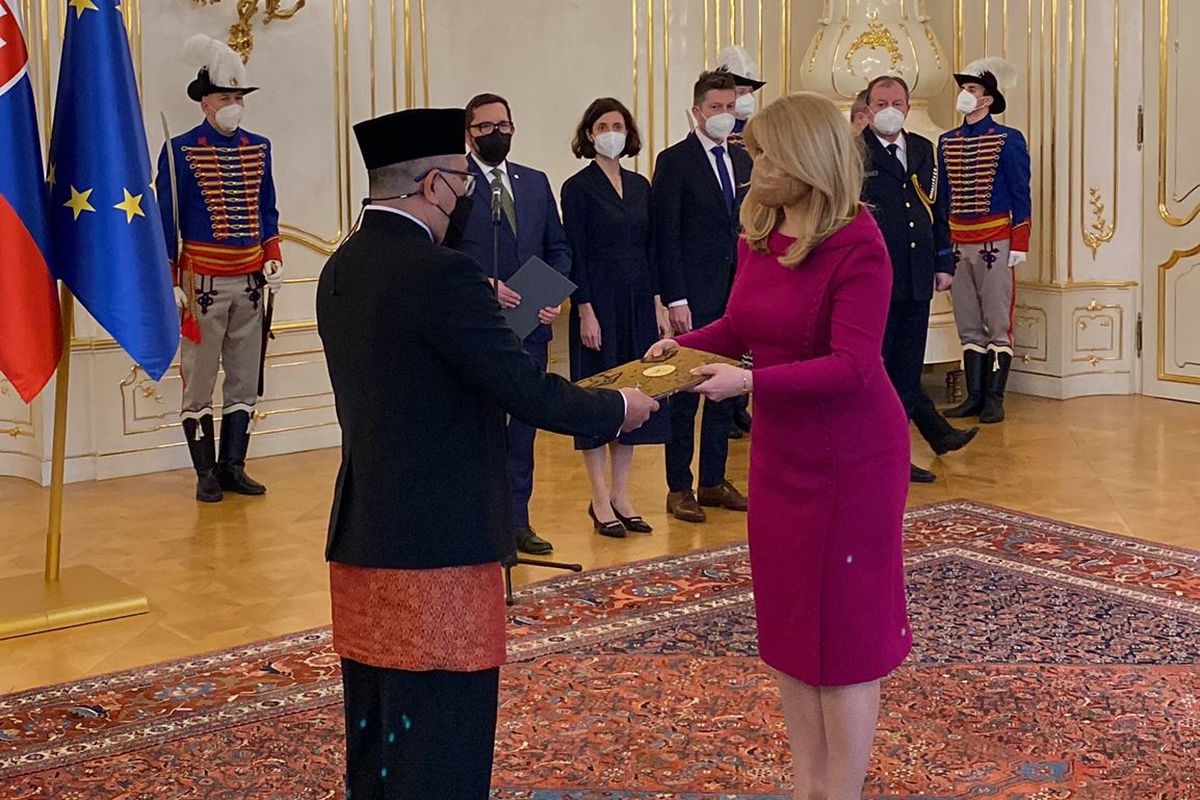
986	166
218	207
736	62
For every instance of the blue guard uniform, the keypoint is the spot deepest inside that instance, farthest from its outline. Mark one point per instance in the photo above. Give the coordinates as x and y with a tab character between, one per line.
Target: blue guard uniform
228	236
986	196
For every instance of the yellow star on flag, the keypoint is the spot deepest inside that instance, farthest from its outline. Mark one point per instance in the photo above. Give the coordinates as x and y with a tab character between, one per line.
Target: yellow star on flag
82	5
51	177
79	202
131	205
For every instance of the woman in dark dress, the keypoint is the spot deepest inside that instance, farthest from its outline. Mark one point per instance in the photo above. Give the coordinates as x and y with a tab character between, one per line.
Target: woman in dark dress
615	312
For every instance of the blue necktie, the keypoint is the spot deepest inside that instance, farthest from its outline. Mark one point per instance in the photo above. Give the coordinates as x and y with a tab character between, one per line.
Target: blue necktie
726	181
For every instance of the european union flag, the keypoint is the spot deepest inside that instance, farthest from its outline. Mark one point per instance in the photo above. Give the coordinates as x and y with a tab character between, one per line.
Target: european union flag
107	233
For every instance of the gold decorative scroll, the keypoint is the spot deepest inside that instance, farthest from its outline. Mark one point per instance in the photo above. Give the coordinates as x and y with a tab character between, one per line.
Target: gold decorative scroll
876	37
241	33
1100	230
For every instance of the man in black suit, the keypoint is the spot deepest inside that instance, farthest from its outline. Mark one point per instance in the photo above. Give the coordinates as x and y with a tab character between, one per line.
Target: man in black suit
901	187
696	196
424	369
529	226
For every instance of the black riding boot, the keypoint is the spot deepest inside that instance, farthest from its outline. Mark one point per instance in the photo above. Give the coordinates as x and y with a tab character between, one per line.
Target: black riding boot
975	367
993	407
235	440
203	448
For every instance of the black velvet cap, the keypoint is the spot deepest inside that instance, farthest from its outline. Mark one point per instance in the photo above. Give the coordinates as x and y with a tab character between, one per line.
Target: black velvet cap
408	135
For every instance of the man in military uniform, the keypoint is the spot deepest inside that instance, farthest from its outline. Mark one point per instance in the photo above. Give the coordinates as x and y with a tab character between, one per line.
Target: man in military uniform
223	241
986	165
901	187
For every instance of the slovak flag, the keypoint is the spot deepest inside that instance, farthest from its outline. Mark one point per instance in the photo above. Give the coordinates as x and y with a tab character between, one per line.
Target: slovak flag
30	325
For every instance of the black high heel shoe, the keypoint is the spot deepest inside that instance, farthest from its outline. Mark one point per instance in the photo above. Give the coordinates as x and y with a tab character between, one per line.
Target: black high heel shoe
634	523
612	529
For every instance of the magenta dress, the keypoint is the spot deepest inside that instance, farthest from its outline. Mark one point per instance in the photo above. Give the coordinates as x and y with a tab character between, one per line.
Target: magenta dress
829	459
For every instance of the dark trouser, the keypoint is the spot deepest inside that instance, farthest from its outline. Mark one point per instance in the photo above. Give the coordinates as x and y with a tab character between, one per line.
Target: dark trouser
520	451
904	359
714	441
419	735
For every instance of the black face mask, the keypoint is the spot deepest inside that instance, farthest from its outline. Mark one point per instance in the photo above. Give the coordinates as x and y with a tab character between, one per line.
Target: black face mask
457	219
494	147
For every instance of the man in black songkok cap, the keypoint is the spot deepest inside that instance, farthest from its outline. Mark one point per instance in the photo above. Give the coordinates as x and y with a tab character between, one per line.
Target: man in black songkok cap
424	370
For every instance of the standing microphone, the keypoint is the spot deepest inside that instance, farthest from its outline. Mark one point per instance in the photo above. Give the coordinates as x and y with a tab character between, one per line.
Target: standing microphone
496	190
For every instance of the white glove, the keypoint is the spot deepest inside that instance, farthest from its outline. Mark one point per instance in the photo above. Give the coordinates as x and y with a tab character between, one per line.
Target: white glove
1016	257
180	298
273	272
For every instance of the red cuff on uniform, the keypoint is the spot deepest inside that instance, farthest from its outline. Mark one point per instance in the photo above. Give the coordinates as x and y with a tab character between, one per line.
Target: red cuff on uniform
271	250
1019	240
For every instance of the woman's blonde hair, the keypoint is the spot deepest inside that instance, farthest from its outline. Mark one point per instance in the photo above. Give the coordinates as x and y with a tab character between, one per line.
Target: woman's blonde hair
805	136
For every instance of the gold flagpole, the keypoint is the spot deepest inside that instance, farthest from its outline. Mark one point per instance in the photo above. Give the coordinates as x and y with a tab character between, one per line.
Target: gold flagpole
56	598
58	448
60	598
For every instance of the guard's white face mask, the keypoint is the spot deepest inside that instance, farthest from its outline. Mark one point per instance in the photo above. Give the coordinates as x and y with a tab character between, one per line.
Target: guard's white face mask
966	102
229	117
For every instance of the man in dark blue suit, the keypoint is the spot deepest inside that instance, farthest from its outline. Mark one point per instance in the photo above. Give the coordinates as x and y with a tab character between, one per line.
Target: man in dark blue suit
901	185
695	200
529	226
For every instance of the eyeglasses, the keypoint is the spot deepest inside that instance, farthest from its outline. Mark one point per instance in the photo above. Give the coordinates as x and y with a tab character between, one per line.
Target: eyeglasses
468	178
487	128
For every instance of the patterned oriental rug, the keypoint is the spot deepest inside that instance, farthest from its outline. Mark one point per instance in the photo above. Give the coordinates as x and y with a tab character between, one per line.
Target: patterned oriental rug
1051	663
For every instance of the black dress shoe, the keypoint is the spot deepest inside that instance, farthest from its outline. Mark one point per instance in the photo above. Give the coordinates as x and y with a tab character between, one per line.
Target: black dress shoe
918	475
529	542
735	432
612	529
634	523
741	419
952	440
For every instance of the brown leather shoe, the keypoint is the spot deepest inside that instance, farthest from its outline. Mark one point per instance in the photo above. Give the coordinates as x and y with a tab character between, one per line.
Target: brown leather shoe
726	496
684	507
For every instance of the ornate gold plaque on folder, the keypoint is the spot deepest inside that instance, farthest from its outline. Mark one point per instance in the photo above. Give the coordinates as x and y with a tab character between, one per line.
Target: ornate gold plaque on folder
657	377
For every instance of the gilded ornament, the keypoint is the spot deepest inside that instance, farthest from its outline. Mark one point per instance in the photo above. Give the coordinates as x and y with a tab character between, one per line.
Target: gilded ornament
1100	230
875	37
241	33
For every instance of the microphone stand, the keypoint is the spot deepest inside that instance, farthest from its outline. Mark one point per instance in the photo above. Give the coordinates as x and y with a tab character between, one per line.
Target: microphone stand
509	563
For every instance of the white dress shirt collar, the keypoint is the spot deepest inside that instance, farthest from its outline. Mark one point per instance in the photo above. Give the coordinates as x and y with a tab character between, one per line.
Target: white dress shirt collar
901	145
401	212
486	169
708	142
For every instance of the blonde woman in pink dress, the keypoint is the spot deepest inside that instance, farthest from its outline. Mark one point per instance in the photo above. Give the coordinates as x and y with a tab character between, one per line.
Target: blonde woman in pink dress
830	454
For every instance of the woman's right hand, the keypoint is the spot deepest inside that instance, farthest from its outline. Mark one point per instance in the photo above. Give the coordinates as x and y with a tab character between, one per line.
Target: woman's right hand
589	331
661	348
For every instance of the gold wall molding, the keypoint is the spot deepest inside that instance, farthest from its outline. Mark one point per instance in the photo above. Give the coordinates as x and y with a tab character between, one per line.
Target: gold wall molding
1163	269
1075	286
1087	318
1035	322
326	245
1164	45
1100	231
